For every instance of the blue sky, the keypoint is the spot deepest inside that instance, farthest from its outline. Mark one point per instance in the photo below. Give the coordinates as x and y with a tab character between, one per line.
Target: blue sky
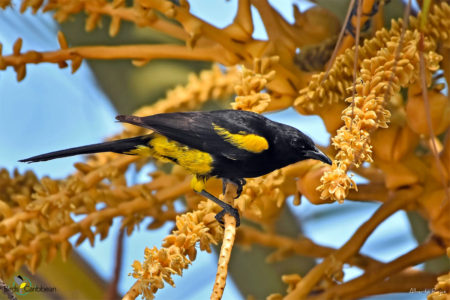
53	109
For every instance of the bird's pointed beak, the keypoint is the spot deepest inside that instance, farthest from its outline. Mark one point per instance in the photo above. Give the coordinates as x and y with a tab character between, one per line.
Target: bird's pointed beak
318	155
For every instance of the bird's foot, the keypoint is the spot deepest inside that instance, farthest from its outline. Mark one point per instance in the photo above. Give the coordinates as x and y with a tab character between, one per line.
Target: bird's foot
227	208
239	182
232	212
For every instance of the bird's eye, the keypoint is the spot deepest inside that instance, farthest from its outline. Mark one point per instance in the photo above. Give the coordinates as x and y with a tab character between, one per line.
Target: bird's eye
294	141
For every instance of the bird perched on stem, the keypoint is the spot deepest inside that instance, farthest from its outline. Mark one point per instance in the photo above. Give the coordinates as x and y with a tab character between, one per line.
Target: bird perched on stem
228	144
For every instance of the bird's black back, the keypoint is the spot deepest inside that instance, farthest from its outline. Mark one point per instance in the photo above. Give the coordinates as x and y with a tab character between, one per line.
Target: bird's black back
196	130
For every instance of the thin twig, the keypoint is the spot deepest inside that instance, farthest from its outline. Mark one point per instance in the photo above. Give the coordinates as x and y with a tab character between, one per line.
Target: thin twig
426	104
7	291
353	245
355	61
401	282
129	14
430	249
301	246
111	294
339	41
137	52
227	246
182	15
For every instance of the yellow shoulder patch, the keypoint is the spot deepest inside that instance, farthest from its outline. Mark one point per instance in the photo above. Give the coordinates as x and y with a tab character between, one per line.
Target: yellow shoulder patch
249	142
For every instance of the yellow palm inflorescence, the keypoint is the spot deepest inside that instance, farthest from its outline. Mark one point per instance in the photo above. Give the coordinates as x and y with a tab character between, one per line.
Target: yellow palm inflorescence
379	127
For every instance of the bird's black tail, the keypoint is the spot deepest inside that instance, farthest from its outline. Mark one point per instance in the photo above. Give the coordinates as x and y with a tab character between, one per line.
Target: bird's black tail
119	146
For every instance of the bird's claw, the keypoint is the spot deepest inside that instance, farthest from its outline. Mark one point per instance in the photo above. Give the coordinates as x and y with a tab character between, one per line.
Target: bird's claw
228	209
239	182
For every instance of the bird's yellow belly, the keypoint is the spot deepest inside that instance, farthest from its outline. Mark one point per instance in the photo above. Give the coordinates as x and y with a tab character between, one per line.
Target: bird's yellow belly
164	149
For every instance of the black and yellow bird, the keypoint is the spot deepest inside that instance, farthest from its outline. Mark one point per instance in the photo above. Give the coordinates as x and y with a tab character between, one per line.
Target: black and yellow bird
229	144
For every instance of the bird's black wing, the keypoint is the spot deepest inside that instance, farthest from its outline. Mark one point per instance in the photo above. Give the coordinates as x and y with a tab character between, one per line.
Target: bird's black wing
230	133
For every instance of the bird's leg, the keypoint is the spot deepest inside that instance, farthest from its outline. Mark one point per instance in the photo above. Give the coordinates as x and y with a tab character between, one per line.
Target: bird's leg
239	182
227	208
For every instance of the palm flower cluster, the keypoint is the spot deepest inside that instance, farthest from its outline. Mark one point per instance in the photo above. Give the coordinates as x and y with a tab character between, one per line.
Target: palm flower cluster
385	110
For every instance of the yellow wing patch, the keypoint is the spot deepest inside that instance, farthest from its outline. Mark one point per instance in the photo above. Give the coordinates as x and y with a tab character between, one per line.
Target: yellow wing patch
249	142
193	160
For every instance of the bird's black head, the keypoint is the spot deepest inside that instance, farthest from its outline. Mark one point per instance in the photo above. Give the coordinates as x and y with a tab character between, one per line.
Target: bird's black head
306	149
